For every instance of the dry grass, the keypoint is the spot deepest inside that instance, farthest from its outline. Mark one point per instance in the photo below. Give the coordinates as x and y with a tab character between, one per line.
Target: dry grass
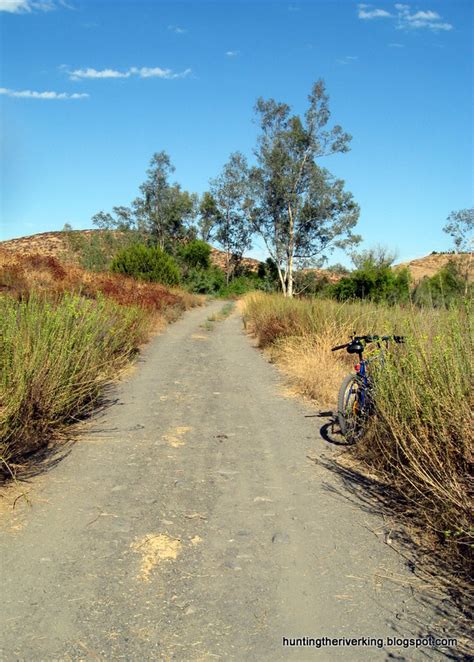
421	440
312	370
299	335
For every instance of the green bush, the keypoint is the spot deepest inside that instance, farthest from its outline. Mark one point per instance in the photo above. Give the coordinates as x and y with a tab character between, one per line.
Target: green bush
204	281
377	283
311	283
241	285
146	263
195	254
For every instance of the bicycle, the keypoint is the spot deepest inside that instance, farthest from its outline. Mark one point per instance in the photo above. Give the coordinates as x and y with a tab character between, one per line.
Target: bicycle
355	401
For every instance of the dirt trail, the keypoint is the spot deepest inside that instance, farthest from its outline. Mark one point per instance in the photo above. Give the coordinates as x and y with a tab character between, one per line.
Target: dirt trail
187	523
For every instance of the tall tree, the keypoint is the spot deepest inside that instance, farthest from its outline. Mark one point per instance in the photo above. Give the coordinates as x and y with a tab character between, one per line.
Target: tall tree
302	210
209	217
164	208
121	220
232	194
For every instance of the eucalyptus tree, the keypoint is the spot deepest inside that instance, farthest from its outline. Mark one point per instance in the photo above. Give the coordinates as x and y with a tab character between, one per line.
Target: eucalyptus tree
209	217
301	211
164	209
121	219
232	194
163	213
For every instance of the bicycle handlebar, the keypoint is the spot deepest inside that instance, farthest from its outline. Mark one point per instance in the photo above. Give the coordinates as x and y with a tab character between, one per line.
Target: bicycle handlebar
369	339
333	349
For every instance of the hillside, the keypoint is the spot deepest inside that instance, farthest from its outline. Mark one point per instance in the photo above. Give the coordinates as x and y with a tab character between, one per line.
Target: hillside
60	246
431	264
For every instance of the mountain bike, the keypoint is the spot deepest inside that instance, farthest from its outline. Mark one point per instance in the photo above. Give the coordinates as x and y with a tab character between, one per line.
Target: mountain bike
355	401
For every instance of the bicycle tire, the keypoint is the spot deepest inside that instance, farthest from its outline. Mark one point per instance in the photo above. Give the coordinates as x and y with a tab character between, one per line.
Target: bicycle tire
350	421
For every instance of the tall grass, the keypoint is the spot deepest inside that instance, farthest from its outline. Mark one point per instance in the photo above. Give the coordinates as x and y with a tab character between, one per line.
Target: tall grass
54	359
421	440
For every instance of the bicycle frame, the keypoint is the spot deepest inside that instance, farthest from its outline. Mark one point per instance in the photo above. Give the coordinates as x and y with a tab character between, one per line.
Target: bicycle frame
361	369
356	397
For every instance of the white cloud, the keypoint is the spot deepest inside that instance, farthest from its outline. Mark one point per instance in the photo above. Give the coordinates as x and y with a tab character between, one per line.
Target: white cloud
28	6
431	20
158	72
232	53
365	12
14	6
423	15
407	19
30	94
79	74
140	72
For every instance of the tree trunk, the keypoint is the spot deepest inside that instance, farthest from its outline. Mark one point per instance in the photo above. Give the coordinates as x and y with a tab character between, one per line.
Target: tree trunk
282	279
291	239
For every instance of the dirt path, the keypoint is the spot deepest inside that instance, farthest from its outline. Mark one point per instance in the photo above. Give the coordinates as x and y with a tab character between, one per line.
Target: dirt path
187	523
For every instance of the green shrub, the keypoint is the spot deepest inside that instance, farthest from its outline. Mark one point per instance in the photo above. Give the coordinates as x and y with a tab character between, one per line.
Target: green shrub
195	254
377	283
204	281
146	263
310	283
241	285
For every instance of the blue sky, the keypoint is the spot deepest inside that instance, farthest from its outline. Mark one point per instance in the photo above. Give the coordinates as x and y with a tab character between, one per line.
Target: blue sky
90	90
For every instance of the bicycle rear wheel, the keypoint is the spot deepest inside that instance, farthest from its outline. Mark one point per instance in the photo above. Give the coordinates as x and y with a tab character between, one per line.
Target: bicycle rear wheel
350	412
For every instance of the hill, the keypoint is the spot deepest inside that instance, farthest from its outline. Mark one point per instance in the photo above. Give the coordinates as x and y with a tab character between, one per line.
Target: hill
65	246
430	264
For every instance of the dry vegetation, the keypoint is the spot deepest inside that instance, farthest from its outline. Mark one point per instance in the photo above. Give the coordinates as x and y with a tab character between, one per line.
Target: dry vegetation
65	332
421	441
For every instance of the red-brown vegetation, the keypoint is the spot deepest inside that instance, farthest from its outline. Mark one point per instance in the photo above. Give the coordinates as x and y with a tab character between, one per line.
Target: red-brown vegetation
22	273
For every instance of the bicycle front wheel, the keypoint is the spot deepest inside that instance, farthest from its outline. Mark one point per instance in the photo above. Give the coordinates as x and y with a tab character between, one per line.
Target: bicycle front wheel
350	411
